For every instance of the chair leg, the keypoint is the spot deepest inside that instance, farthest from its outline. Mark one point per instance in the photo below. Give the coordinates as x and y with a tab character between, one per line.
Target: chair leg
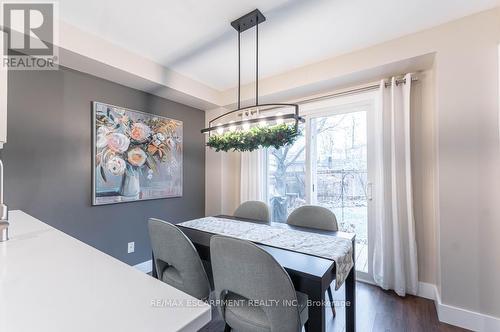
331	301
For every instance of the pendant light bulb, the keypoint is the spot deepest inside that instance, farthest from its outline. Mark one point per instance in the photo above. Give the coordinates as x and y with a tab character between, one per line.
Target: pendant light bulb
220	130
279	120
232	127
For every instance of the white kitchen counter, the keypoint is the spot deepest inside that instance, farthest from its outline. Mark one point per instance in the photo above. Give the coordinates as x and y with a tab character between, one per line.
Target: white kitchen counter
51	282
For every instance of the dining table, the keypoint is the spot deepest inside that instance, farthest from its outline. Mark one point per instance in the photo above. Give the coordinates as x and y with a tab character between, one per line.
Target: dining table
309	273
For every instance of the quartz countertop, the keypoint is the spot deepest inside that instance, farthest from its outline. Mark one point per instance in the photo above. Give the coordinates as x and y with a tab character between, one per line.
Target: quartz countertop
51	282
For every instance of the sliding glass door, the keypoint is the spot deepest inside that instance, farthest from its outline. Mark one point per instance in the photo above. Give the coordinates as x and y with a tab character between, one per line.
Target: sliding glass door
328	166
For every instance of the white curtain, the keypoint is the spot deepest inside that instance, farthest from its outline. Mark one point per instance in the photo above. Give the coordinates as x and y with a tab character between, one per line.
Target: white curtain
251	177
394	260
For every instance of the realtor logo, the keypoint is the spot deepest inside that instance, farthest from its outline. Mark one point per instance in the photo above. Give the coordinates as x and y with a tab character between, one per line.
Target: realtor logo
29	32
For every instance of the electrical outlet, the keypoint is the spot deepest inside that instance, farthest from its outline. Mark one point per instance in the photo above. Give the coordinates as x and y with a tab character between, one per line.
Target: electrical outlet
131	247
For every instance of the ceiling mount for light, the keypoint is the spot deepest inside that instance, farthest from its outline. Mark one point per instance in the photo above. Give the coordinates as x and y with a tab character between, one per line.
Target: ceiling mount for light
248	21
243	117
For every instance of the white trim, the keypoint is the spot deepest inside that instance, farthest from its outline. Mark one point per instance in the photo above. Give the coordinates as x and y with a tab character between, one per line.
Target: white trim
464	318
309	177
365	278
338	104
145	267
427	291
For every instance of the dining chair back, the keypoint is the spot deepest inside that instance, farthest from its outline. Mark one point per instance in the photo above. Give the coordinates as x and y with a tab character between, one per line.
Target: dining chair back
318	217
313	216
176	259
255	293
255	210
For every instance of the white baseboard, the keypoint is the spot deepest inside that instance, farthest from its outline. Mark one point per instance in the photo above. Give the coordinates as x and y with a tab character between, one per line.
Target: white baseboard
426	290
452	315
464	318
145	267
365	278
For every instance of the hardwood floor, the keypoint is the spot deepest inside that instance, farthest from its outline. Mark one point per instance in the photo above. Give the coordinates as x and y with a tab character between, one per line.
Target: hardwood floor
377	310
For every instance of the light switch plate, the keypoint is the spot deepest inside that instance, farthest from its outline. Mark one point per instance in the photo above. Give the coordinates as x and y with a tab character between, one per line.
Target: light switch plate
131	247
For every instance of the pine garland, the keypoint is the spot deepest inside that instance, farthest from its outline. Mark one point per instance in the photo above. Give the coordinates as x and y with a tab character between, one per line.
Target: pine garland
256	137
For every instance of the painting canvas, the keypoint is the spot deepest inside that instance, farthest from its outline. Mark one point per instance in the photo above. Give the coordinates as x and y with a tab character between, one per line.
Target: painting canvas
136	155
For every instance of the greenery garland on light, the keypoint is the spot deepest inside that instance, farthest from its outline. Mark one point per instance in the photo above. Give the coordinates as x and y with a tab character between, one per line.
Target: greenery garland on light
256	137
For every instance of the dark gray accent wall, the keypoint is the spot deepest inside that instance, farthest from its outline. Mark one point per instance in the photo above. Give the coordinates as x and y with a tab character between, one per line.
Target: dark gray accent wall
48	160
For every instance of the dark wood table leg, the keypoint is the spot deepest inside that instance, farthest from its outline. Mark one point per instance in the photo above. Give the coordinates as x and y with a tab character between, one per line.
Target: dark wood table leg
153	270
350	298
317	320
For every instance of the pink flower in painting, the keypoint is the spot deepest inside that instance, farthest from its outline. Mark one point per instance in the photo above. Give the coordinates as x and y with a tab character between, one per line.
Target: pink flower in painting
140	132
136	157
118	142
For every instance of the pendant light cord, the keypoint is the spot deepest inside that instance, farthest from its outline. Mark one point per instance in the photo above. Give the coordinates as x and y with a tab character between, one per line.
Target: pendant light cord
239	69
257	61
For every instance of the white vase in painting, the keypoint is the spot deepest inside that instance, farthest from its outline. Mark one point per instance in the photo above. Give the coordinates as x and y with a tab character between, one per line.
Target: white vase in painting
131	186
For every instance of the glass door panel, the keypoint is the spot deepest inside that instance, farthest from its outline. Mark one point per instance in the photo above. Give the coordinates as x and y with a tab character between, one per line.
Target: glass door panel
339	173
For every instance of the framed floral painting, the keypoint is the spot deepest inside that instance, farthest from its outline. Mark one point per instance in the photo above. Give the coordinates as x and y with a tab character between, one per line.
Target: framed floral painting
136	155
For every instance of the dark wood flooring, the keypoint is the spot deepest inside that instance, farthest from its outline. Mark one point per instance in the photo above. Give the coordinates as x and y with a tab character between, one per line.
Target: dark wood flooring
377	310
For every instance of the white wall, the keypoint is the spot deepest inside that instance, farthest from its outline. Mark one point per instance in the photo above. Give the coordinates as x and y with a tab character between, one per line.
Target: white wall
466	181
424	174
3	100
222	174
468	162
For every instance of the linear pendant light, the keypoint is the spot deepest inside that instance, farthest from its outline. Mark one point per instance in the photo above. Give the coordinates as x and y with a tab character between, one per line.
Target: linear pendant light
278	112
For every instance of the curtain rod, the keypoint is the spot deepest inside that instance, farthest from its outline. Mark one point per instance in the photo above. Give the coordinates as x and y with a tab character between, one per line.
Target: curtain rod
370	87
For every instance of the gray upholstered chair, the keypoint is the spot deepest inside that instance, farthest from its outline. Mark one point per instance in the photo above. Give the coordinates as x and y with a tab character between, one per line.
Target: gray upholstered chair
245	276
313	216
177	261
255	210
317	217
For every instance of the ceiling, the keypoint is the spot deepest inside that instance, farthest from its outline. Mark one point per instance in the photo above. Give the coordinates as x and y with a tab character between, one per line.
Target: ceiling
194	38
